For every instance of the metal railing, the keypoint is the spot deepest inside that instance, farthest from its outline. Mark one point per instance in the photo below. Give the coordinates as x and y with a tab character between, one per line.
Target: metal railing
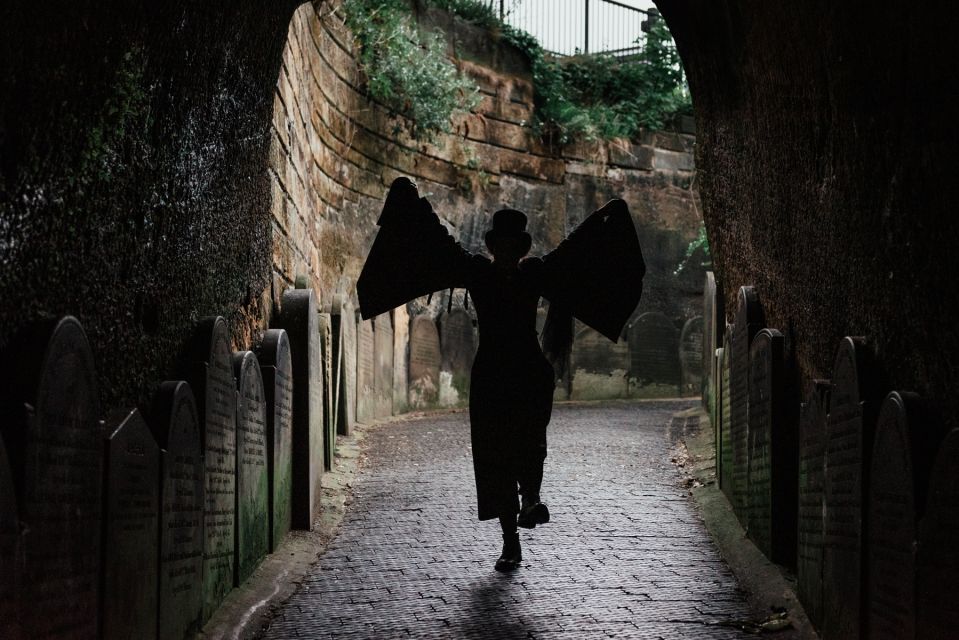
574	27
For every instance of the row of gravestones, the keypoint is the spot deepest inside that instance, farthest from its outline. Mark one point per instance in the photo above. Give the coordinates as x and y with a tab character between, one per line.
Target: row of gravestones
857	487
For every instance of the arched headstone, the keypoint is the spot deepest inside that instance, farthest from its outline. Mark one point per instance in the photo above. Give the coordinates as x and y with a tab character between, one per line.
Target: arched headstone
725	456
691	356
654	352
599	366
252	473
344	326
131	529
210	374
175	425
383	366
9	551
401	359
458	347
276	369
300	319
365	371
850	428
902	457
53	435
424	363
325	325
750	319
812	451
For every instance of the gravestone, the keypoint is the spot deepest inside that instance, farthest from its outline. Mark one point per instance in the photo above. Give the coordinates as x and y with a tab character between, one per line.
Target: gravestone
344	325
691	357
599	366
812	451
252	472
457	348
772	487
937	559
9	551
849	435
54	444
300	319
401	359
329	417
210	374
175	425
749	320
365	367
903	454
714	325
424	363
654	352
130	529
382	366
725	457
276	369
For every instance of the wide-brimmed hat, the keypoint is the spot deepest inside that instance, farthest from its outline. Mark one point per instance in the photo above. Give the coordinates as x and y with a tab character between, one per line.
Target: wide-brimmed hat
508	223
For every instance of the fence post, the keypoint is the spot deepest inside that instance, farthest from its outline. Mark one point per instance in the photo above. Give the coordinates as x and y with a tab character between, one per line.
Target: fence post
586	43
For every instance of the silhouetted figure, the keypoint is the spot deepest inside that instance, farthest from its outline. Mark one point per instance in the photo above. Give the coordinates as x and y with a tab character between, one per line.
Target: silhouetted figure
595	274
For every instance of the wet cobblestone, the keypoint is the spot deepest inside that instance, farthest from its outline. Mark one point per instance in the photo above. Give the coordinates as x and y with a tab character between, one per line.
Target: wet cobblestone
625	555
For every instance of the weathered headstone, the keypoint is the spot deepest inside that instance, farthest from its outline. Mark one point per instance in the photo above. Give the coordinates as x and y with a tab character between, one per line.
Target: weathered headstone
458	347
276	369
725	456
9	551
812	452
749	320
772	447
937	560
383	366
365	367
210	374
903	454
714	325
300	319
344	326
54	443
424	363
599	366
329	417
401	359
252	473
175	425
849	435
691	356
130	528
654	352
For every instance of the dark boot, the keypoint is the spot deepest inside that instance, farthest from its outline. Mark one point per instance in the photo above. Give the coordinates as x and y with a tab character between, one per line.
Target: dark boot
512	555
532	513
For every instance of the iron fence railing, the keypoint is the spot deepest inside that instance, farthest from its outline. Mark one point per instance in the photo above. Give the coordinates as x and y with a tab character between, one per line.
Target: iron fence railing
573	27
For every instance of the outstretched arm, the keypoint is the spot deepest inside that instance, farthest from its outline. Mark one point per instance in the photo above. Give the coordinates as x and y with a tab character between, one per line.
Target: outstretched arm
412	255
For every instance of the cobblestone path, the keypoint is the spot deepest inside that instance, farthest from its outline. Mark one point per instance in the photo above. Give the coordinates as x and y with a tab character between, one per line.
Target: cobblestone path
625	555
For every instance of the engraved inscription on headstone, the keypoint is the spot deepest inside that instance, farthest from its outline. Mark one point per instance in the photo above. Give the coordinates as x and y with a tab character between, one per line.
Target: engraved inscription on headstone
725	457
937	560
276	370
329	417
365	365
849	435
300	319
691	356
424	363
812	443
383	366
211	377
9	551
654	351
749	320
401	359
130	525
175	425
599	366
344	326
54	441
458	346
252	474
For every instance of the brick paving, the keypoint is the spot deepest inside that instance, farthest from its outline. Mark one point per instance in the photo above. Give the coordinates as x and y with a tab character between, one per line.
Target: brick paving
625	556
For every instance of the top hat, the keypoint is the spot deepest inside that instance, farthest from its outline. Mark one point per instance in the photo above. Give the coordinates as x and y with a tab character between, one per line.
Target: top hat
508	223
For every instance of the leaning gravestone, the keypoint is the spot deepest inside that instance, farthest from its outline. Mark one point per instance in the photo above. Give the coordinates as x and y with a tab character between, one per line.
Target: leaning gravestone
458	347
654	352
424	363
54	441
902	456
173	419
276	369
300	319
365	366
812	451
210	374
849	435
344	345
382	366
749	320
130	529
725	455
937	559
329	417
598	366
9	551
691	356
771	512
252	473
401	359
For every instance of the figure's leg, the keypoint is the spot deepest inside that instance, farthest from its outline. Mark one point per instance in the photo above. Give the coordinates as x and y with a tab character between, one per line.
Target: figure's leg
512	554
532	510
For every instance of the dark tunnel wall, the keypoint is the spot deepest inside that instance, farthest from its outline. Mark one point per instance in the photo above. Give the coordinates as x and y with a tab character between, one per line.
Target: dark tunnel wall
133	185
827	166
